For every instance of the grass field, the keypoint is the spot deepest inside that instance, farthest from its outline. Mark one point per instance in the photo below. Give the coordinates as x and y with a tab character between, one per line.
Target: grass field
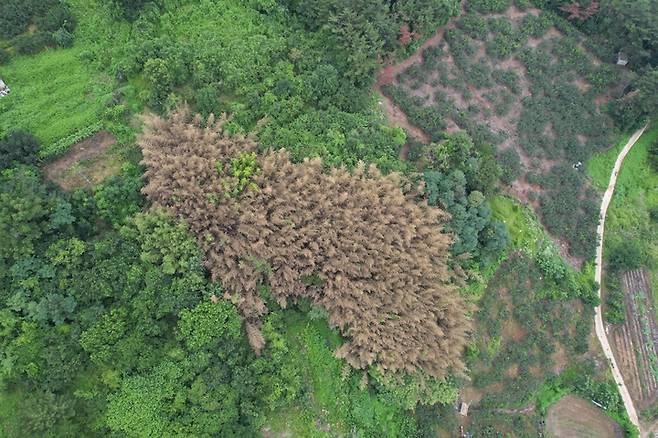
524	229
53	95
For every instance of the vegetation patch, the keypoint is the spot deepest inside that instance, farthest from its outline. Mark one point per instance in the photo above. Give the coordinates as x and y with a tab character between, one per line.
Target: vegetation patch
517	82
631	238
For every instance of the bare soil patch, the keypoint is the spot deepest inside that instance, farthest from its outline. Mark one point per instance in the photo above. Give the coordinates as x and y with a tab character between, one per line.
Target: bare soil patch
574	417
86	164
560	359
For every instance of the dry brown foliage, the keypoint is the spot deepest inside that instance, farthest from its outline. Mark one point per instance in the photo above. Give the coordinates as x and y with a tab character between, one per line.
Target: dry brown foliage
351	242
578	12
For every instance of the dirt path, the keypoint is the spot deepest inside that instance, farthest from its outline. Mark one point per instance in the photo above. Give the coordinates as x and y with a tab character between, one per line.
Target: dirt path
598	318
386	76
525	410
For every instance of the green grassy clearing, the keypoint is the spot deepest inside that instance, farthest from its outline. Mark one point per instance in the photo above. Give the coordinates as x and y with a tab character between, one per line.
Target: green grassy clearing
600	165
524	230
53	95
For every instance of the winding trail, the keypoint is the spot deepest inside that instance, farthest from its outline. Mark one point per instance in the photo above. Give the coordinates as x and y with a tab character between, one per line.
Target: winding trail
598	318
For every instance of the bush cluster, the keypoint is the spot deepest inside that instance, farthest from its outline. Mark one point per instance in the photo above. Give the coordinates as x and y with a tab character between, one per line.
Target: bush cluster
510	163
489	6
18	147
52	18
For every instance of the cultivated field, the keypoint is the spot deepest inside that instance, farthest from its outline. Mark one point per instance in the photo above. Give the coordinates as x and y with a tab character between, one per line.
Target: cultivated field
573	417
524	82
635	341
523	339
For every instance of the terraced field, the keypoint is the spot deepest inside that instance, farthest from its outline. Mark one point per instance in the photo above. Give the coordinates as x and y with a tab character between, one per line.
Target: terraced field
636	341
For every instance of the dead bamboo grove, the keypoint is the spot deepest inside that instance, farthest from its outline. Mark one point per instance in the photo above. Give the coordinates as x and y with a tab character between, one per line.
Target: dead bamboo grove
350	241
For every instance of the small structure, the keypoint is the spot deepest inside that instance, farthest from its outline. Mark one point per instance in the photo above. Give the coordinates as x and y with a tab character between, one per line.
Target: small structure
4	89
463	409
622	59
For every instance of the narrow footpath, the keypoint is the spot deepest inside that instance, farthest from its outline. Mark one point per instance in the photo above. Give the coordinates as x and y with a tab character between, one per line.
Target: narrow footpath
598	318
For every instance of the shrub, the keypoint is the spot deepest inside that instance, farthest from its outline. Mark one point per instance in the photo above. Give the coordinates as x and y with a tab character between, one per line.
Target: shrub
615	309
119	196
57	17
510	163
432	57
489	6
18	147
522	4
568	51
535	26
160	80
626	255
479	74
652	156
474	25
31	44
504	44
207	100
460	44
14	18
4	56
508	78
129	9
500	25
63	38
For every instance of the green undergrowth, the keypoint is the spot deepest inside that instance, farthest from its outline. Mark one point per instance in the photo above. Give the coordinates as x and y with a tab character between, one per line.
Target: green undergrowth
332	401
600	165
522	224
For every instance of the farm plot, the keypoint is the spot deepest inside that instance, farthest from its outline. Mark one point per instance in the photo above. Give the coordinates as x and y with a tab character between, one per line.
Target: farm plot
514	80
635	341
86	164
572	416
525	337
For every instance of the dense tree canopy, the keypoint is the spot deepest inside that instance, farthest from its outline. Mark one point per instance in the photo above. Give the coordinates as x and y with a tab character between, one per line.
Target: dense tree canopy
296	284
